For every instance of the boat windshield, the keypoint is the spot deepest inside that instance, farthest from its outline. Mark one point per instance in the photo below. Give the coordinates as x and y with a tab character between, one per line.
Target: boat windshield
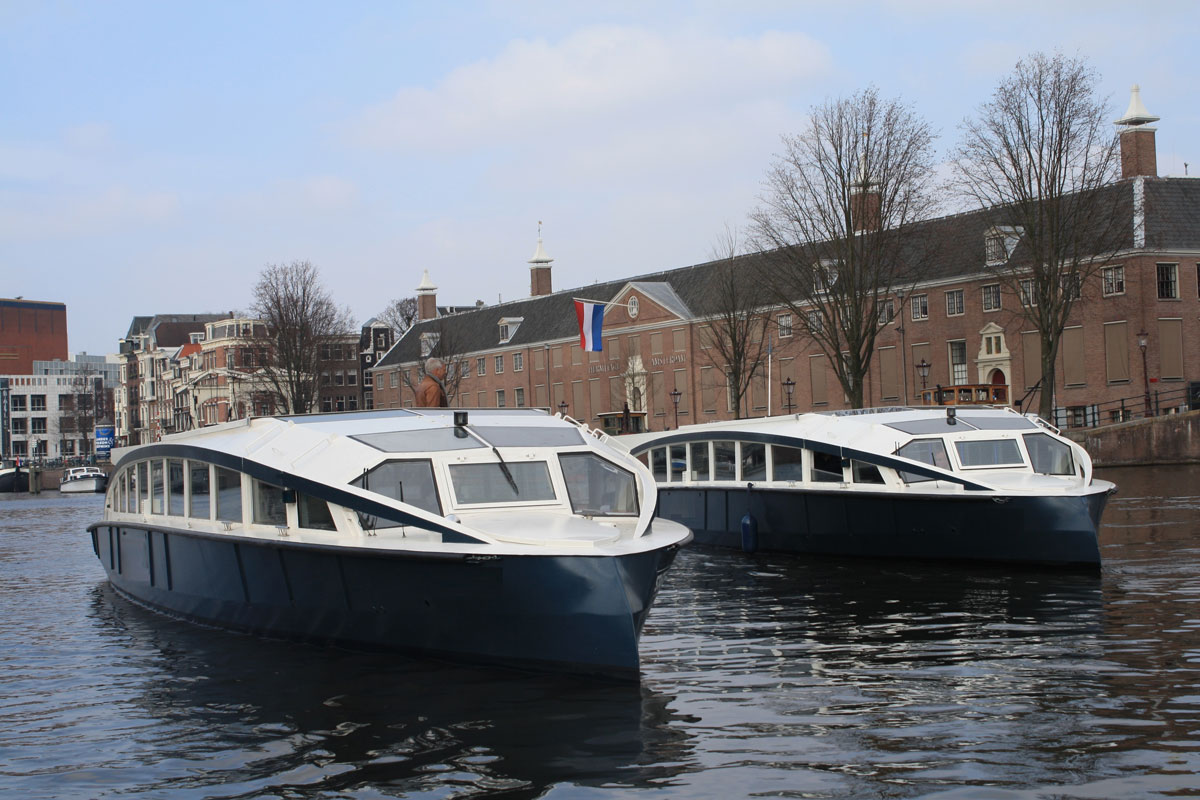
598	487
493	482
989	453
1049	456
929	451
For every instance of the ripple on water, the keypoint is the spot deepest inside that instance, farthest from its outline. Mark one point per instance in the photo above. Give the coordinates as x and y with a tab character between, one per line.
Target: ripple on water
763	676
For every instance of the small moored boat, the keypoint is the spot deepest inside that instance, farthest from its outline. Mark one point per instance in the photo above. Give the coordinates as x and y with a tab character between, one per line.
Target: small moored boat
13	477
973	483
83	479
509	537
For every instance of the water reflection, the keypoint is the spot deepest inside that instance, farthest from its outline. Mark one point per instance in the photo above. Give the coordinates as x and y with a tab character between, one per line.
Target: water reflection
762	676
238	716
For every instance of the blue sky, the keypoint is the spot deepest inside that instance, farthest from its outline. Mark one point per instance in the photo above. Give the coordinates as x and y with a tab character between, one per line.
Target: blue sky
155	156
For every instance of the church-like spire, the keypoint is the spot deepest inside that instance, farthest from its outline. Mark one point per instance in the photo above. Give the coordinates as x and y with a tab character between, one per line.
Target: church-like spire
1137	114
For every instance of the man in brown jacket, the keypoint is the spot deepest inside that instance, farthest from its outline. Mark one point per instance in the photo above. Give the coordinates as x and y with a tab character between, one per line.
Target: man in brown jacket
431	391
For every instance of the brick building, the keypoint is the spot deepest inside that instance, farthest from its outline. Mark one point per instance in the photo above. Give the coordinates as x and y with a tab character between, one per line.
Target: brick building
31	330
1134	334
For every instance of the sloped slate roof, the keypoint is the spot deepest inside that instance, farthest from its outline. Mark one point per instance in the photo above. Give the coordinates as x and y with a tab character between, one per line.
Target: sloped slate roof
1173	213
941	249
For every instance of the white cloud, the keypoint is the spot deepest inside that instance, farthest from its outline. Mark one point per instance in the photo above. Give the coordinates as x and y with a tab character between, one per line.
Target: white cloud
596	76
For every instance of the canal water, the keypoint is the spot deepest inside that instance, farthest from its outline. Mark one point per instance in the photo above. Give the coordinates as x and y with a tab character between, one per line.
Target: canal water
763	676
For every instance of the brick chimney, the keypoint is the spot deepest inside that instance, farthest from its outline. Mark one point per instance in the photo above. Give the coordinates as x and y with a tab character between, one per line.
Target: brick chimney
865	202
1138	156
426	299
539	269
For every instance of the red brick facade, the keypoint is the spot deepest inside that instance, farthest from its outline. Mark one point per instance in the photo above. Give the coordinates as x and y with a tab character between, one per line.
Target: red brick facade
31	331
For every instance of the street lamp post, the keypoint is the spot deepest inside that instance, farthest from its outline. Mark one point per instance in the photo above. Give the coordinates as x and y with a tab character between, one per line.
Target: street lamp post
789	386
562	407
923	374
675	395
1143	340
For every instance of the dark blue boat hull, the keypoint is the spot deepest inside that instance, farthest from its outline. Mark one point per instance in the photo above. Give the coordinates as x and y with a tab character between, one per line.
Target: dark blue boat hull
1019	529
576	614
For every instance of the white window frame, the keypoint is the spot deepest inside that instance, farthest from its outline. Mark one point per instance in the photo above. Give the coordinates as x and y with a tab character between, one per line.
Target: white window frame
991	297
919	307
959	304
1112	280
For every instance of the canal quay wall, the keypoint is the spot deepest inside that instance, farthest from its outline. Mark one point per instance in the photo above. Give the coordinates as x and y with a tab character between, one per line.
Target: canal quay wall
1169	439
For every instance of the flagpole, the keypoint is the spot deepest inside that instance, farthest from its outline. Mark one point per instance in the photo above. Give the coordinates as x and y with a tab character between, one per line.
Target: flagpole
600	302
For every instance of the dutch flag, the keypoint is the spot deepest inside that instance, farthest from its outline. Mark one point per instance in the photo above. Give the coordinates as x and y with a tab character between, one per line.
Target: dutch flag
591	319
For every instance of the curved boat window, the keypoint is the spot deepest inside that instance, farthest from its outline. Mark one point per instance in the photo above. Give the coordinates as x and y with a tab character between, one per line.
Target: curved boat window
313	512
175	487
724	461
156	486
754	461
489	483
528	436
131	502
989	453
268	504
1049	456
141	496
827	468
658	463
865	473
699	455
229	495
787	463
598	487
678	462
929	451
198	476
409	482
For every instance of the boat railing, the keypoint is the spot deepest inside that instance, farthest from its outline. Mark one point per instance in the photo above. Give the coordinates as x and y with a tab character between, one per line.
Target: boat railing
974	394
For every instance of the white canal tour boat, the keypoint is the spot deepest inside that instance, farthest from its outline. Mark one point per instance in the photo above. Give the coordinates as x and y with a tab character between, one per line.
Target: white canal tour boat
489	536
972	483
83	480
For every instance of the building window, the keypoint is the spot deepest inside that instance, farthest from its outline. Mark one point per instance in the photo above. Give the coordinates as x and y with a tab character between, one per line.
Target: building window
920	306
518	362
519	397
954	303
958	361
887	311
504	332
395	378
499	398
499	365
991	297
996	253
785	325
18	425
37	402
1168	282
1114	280
17	401
327	404
37	424
339	378
632	307
1028	297
352	378
815	323
481	366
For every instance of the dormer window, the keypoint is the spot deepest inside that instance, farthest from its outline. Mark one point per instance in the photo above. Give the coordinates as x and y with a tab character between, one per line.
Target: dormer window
508	327
428	342
999	243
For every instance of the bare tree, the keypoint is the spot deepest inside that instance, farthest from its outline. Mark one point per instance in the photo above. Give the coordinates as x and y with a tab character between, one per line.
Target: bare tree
836	224
300	315
399	315
1040	155
734	337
